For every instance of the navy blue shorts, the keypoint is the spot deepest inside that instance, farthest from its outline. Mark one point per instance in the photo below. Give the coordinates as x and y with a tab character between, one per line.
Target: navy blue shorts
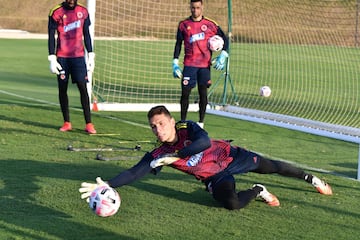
195	75
74	67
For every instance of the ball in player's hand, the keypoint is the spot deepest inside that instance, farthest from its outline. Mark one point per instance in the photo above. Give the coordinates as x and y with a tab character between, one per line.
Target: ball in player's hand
216	43
104	201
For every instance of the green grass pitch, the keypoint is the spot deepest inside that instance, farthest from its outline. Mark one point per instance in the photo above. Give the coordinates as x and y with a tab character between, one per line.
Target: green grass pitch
39	178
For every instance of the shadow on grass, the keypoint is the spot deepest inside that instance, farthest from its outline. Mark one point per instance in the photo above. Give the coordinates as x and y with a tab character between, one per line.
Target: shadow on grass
21	190
30	215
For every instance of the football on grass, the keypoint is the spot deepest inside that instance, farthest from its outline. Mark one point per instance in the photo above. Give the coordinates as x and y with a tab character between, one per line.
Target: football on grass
265	91
215	43
104	201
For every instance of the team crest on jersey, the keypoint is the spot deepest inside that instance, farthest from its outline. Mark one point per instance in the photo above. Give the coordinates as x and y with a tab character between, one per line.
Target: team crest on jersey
204	28
187	143
80	14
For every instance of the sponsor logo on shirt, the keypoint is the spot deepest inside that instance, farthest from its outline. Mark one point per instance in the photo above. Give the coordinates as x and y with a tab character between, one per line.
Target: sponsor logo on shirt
197	37
194	159
72	26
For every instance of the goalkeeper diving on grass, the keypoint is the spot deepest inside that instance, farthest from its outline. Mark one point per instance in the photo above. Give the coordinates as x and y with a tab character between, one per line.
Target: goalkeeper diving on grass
187	147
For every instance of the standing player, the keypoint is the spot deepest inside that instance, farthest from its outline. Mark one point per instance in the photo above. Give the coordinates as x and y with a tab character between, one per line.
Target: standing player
187	147
195	32
70	21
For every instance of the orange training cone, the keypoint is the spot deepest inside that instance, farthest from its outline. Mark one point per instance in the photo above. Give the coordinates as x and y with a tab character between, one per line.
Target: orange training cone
94	106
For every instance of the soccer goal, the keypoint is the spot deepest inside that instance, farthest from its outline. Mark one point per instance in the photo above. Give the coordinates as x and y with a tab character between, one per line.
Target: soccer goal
305	51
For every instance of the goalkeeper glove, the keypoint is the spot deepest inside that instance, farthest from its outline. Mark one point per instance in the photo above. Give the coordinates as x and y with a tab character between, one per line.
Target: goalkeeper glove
55	66
91	62
219	61
165	159
177	72
87	188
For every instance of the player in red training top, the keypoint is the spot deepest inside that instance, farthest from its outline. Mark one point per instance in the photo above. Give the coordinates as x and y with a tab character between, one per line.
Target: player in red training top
186	147
195	32
70	21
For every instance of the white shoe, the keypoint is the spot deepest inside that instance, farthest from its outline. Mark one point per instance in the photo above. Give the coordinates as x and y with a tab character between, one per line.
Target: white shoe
321	186
201	124
267	197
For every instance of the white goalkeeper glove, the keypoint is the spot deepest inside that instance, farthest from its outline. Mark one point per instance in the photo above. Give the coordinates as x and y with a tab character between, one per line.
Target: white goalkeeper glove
55	66
165	159
87	188
219	61
91	62
177	72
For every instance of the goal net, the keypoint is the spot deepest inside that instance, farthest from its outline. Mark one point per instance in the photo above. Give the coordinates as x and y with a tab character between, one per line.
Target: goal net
306	51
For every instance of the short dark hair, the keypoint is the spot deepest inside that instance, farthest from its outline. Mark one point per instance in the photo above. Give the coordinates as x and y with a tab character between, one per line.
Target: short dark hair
196	1
157	110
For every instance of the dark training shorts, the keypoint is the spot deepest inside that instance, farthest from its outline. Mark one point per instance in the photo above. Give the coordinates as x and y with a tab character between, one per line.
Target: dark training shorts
195	75
74	67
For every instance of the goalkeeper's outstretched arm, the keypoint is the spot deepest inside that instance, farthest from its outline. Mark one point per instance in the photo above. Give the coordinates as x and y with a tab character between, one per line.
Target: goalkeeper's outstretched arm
132	174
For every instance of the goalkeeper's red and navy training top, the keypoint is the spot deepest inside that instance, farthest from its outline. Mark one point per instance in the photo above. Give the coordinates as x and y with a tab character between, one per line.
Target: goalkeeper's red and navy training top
72	27
195	35
200	156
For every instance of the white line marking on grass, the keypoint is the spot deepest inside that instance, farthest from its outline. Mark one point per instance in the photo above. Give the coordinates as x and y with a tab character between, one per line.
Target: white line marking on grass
76	109
28	98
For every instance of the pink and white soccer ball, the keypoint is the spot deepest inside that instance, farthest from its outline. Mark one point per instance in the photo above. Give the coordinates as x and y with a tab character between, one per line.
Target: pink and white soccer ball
104	201
216	43
265	91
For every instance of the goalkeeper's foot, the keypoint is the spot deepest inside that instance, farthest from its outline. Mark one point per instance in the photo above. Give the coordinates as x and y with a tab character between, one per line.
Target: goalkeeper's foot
89	128
66	127
201	124
321	186
269	198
